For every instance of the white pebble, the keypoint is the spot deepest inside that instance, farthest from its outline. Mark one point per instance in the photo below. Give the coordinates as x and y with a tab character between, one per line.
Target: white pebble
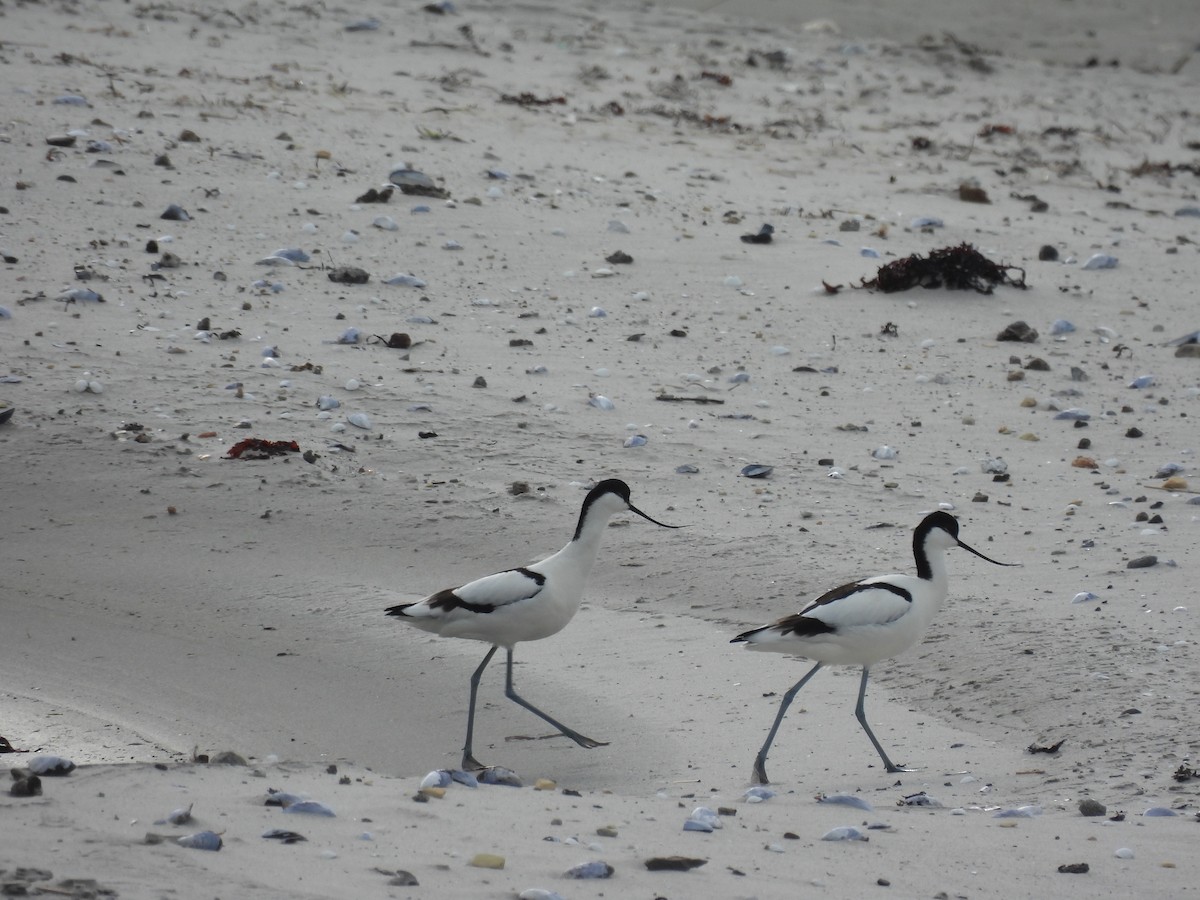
353	384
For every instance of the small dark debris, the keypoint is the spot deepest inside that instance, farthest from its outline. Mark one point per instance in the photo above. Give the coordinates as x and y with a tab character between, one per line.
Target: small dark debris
1018	331
404	878
258	448
674	863
972	193
677	332
375	196
426	435
764	236
1090	807
520	342
1142	562
284	836
526	98
955	268
398	341
1047	748
1048	253
719	77
831	288
619	258
175	213
1074	869
1134	432
1183	773
349	275
1037	364
891	329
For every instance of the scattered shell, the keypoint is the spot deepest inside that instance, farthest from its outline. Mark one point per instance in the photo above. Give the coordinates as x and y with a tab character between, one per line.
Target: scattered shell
1061	326
636	440
1142	381
754	470
1020	812
844	833
1157	811
601	402
869	252
1074	414
175	213
50	765
385	223
201	840
403	279
309	807
437	778
920	799
1084	597
884	452
758	794
80	295
703	819
687	469
359	420
500	775
595	869
1100	261
180	816
1123	853
846	800
406	177
597	312
539	894
327	402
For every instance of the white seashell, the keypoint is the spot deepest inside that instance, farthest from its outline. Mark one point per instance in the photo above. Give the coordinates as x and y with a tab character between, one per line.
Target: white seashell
1123	853
1084	597
884	452
452	245
844	833
353	384
1100	261
201	840
601	402
436	778
618	227
403	279
386	223
733	281
359	420
328	402
81	386
869	252
597	312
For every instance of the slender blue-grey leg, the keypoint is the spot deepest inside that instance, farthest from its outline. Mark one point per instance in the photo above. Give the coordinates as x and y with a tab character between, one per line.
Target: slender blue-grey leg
861	715
512	695
760	761
468	761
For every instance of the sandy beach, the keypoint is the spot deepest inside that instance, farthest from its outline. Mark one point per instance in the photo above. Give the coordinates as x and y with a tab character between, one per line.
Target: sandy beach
581	303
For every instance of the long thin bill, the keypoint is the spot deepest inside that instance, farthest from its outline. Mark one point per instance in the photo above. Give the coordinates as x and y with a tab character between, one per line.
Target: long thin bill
988	558
634	509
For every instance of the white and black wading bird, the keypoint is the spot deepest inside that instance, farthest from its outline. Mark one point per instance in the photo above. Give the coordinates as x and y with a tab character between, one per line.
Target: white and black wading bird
523	604
861	623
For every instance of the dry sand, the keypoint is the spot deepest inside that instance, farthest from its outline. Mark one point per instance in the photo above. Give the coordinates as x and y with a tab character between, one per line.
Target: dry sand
159	600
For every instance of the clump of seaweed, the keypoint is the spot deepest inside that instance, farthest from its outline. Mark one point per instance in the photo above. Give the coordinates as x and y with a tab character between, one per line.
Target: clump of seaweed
955	268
